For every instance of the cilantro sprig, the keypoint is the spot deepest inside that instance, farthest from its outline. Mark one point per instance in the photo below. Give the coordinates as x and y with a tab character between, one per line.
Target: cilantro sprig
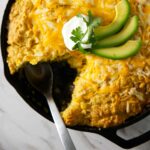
77	36
88	37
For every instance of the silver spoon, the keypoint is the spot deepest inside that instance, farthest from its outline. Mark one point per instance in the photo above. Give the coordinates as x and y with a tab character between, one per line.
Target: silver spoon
40	76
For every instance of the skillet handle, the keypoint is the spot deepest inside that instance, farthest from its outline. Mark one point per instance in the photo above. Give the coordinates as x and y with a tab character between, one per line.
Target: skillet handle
112	136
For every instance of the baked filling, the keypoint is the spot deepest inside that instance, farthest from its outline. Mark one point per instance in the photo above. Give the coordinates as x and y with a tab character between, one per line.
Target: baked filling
106	92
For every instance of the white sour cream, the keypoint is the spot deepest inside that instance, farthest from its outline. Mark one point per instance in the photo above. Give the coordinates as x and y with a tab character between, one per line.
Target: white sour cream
69	26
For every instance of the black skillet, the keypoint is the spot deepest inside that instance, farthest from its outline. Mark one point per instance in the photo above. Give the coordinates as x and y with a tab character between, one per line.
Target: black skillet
63	79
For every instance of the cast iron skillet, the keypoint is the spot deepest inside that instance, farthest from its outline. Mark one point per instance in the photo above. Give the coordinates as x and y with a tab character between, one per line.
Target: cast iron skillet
63	79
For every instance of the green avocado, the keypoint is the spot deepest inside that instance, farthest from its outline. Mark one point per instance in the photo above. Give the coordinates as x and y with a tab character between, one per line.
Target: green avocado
122	14
125	34
130	48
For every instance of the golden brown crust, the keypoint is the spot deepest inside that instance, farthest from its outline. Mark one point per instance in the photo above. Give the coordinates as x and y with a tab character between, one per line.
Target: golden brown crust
107	92
19	34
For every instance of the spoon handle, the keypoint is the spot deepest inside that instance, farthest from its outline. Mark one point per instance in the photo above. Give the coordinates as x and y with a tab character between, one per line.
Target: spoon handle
61	128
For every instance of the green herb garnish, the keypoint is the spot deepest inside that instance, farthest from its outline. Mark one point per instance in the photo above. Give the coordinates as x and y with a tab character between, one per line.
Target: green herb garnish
77	38
85	38
77	34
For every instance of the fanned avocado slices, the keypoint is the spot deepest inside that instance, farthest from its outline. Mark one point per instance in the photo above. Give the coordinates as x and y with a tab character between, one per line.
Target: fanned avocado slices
128	49
125	34
122	14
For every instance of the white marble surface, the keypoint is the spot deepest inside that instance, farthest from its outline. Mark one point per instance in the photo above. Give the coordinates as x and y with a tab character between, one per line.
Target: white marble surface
21	128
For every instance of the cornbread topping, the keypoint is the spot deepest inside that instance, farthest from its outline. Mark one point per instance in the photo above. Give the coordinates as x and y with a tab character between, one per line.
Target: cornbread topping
106	92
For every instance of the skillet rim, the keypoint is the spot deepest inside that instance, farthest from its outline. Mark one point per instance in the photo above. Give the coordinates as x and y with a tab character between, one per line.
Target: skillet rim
106	132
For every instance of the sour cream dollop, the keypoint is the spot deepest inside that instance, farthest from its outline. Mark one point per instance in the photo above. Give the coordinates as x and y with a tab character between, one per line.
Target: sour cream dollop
69	26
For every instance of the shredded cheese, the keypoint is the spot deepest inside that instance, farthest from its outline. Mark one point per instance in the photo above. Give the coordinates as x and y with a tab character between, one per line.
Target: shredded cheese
106	92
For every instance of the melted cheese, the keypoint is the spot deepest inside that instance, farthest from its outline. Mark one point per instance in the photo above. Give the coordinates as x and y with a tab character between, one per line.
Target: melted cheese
106	92
42	21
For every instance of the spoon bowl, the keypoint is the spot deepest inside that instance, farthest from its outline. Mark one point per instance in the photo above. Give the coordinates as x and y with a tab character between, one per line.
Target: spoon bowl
40	76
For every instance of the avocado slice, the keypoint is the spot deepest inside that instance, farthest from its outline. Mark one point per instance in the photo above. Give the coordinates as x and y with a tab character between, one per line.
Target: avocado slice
125	34
130	48
122	14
